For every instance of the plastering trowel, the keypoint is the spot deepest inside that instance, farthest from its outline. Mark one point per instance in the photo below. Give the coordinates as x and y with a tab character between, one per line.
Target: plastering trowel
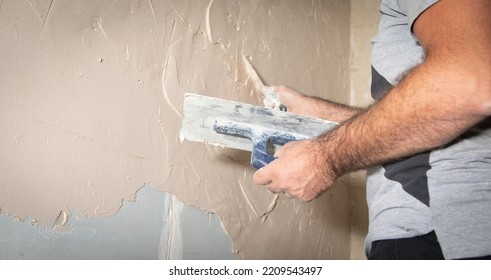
247	127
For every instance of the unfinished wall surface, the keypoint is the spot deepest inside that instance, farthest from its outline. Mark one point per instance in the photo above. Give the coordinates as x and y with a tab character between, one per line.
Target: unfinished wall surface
92	95
155	226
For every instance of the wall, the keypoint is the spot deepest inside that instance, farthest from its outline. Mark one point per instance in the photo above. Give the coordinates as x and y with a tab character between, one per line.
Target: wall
364	22
154	226
92	93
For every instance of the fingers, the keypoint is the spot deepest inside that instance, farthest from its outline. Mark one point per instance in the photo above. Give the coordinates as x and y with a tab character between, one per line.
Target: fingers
269	176
290	98
293	174
261	177
271	99
264	177
272	190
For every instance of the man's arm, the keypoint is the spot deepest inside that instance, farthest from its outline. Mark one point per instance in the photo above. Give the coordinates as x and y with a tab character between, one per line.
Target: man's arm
436	102
314	106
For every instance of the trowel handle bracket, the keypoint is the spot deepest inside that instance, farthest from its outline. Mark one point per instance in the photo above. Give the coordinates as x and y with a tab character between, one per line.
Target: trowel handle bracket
262	140
261	143
260	156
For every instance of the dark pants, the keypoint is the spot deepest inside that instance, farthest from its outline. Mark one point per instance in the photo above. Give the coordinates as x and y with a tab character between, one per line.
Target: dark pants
424	247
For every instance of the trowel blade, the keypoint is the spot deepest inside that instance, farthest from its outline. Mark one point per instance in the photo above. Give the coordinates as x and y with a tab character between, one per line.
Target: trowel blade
200	114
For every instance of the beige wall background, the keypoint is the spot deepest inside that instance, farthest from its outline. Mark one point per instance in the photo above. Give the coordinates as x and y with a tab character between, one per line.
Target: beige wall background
364	22
92	95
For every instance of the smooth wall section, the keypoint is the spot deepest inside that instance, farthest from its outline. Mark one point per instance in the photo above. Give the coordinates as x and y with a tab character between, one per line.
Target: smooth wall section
92	95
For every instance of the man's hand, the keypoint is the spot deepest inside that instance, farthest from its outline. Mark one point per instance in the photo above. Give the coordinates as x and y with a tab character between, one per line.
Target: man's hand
292	99
299	171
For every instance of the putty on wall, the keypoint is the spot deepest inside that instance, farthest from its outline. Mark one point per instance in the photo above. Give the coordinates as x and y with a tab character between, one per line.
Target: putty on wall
92	94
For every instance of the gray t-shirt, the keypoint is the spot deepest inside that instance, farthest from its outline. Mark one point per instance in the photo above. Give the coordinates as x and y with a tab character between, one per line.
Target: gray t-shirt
446	190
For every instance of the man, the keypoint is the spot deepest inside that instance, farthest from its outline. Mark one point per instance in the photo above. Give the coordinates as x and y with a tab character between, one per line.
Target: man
426	142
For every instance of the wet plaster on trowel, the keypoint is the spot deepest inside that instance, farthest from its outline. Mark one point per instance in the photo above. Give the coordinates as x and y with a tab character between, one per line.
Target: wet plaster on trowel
92	93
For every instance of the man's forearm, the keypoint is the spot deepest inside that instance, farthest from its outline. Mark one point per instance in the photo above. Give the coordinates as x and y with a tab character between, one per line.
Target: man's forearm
419	114
316	107
435	103
332	111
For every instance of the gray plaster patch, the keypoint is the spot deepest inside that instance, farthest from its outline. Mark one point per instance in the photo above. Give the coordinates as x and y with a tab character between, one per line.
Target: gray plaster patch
134	233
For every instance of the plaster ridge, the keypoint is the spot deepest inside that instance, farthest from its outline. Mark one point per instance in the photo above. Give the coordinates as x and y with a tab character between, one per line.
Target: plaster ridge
32	7
176	11
207	19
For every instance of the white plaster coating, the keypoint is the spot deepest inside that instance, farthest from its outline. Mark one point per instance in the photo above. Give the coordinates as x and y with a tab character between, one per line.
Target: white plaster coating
171	236
92	93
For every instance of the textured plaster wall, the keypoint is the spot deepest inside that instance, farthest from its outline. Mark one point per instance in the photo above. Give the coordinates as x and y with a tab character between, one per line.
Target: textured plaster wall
92	95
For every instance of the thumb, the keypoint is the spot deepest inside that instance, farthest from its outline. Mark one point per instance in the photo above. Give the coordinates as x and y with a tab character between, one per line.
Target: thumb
261	177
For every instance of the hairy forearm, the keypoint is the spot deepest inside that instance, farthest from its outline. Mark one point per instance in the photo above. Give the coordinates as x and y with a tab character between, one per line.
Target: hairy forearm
436	102
332	111
316	107
419	114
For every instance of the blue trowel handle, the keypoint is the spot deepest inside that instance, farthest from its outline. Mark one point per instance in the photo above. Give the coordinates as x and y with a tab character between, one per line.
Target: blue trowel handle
260	156
261	138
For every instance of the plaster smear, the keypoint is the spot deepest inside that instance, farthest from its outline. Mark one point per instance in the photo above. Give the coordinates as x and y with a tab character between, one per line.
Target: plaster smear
92	94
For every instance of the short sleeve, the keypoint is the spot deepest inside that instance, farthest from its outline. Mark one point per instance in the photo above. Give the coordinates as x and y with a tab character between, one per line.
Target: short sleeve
416	8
